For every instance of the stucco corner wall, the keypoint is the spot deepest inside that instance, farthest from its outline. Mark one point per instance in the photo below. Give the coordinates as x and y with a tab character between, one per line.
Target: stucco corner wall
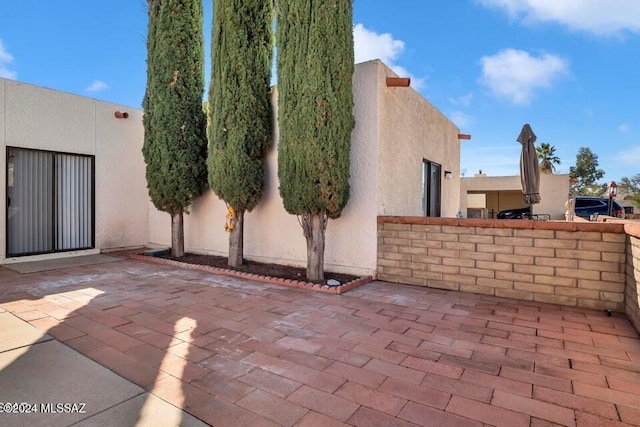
413	130
121	188
351	239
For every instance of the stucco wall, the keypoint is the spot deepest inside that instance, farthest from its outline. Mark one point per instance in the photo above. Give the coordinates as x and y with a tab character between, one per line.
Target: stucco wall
385	178
413	130
554	190
44	119
273	235
121	188
500	200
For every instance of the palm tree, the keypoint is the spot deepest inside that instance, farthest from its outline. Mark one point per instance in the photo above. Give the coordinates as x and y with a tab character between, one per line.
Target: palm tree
548	159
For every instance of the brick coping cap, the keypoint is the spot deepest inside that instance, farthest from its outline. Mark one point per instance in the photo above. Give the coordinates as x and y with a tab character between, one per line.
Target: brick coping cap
603	227
632	229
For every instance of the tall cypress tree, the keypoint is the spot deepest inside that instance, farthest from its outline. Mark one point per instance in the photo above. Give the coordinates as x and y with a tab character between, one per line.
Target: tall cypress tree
175	147
240	108
315	117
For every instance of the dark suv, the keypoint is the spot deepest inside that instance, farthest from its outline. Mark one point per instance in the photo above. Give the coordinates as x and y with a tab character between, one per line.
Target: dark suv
520	213
587	206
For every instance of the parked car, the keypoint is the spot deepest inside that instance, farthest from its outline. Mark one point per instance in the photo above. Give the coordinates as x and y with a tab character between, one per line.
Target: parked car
587	206
520	213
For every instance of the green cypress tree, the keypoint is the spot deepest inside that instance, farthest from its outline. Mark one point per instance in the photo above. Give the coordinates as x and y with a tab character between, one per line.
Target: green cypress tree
175	147
240	108
315	115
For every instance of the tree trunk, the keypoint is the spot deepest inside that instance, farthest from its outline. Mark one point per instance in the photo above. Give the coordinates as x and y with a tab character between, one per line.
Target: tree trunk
314	226
177	235
236	240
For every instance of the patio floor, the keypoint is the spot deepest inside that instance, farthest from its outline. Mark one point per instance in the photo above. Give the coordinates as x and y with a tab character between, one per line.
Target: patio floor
236	352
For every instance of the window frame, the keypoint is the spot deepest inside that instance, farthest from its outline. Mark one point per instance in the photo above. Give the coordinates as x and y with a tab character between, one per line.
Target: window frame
55	201
428	169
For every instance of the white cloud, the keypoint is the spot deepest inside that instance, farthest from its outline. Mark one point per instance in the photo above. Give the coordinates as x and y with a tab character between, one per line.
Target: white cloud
5	59
624	128
371	45
464	100
7	73
515	74
461	119
630	156
595	16
97	86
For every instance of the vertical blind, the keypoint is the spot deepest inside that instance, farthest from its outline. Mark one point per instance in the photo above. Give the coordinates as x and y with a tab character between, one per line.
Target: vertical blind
30	202
73	196
49	202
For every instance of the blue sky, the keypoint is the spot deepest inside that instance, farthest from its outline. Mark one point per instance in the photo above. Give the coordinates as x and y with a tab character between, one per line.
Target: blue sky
569	68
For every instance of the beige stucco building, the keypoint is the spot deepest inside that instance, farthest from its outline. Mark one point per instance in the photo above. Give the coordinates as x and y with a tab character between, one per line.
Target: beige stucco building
71	174
405	158
485	196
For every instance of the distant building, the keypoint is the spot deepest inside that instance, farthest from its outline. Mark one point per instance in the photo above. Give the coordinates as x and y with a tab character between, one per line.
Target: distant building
484	196
627	203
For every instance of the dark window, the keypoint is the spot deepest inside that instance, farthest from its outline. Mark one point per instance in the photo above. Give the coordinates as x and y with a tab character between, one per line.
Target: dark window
50	203
583	203
431	180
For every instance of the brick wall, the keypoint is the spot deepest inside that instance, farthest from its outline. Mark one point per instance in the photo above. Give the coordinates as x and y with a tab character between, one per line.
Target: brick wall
575	264
632	303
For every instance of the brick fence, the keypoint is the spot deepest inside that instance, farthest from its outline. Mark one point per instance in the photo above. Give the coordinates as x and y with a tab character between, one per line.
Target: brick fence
591	265
632	303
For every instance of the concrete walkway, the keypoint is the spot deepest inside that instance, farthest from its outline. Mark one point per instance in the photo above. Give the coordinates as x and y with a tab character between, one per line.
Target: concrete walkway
135	341
44	382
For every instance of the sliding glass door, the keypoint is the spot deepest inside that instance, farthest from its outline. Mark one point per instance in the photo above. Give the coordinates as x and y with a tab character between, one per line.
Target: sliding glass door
74	207
29	202
431	173
50	205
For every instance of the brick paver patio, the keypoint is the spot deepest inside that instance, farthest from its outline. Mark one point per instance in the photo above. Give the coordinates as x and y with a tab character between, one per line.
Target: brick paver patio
236	352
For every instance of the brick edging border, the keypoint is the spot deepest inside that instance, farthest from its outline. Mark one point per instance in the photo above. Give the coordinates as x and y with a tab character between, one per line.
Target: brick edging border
334	290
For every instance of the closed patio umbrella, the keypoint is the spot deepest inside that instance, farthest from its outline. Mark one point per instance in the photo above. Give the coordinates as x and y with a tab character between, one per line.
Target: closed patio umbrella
529	171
